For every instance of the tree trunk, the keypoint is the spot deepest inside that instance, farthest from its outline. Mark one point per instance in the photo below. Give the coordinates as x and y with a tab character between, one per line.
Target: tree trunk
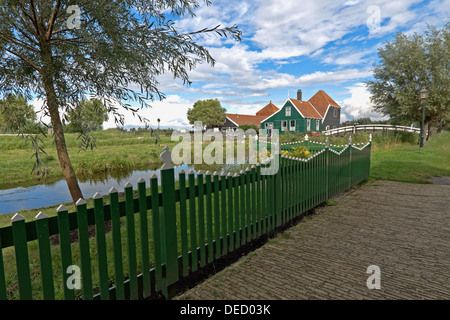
58	132
425	131
429	131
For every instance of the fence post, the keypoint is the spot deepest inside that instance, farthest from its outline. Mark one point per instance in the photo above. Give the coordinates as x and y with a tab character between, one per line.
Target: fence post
170	221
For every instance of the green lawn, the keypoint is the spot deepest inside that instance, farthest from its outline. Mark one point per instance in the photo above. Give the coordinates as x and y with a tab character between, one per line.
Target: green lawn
407	163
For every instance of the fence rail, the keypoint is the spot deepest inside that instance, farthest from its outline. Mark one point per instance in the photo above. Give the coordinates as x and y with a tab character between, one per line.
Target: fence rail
164	235
371	127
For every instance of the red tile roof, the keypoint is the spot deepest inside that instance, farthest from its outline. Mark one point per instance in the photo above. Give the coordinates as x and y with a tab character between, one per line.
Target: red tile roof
321	101
240	119
306	109
268	110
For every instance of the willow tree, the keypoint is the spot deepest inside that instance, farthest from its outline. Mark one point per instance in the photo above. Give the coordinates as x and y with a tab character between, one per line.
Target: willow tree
407	64
60	51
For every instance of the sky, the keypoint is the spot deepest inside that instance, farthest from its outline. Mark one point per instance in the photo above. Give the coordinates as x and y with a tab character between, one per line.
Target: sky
287	45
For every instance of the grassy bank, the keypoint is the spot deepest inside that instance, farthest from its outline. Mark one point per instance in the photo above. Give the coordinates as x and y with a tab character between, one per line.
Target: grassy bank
116	152
399	160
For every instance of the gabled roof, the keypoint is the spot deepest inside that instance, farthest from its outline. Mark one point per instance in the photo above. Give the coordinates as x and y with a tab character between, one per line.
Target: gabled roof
240	119
306	109
268	110
321	101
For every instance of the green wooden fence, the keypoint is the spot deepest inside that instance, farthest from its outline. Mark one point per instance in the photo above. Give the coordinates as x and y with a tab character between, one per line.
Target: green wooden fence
180	230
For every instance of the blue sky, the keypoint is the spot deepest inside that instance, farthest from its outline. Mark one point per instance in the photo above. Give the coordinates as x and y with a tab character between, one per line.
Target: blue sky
289	45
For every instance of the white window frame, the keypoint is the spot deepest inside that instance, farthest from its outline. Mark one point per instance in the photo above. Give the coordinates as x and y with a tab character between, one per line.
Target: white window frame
308	124
284	125
288	112
292	127
317	124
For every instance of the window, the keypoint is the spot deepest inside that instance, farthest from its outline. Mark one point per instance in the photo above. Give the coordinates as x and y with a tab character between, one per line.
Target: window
269	127
292	125
335	111
317	125
288	111
327	127
308	124
283	125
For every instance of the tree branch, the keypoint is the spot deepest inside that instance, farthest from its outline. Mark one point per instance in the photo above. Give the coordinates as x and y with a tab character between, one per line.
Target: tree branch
18	42
51	22
21	56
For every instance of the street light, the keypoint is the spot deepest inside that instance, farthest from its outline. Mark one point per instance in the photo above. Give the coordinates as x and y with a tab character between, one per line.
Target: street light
157	134
423	96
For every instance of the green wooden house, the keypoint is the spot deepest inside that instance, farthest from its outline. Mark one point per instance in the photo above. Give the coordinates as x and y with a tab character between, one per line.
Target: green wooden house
298	116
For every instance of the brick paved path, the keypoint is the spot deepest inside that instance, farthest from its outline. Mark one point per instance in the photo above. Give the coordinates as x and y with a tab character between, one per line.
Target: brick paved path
402	228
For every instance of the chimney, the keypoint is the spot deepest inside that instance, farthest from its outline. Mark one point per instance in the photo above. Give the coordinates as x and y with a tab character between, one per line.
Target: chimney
299	95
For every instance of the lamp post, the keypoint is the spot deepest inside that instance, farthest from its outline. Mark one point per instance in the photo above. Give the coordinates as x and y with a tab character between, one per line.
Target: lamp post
423	97
157	134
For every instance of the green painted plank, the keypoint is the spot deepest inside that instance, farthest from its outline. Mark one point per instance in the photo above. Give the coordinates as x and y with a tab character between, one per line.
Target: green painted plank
242	200
131	241
193	221
170	223
216	215
264	202
65	249
100	240
156	228
143	230
85	255
223	212
201	218
248	208
230	212
209	216
254	221
45	257
183	223
237	232
117	244
22	260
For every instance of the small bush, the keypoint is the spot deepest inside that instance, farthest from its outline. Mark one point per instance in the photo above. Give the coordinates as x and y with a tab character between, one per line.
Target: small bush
297	152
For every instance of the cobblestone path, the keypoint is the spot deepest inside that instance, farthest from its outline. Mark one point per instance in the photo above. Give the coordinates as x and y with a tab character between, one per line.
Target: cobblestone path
402	228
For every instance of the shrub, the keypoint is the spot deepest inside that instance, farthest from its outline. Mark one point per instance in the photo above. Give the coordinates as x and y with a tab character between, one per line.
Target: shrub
297	152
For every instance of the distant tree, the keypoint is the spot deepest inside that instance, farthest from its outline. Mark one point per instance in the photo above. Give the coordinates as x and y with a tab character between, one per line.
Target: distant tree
62	50
87	116
209	112
15	113
408	64
245	127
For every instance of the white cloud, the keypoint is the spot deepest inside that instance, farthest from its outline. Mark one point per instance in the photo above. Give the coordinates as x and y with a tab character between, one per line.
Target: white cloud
172	112
359	105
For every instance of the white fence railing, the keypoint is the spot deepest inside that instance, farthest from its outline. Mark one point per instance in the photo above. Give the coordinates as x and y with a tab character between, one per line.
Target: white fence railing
371	127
